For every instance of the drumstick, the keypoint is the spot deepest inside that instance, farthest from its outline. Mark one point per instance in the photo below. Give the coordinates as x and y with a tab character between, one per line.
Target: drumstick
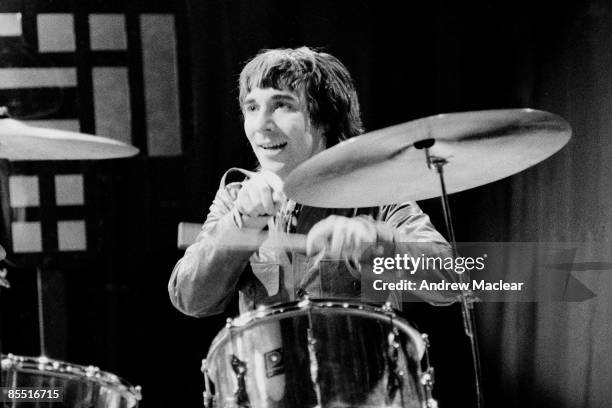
248	239
244	238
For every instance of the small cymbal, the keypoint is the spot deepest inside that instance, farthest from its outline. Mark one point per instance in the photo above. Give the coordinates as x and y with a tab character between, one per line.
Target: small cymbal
389	165
19	141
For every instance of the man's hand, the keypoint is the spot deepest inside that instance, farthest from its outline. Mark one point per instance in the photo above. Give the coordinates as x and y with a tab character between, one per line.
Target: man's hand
260	197
341	237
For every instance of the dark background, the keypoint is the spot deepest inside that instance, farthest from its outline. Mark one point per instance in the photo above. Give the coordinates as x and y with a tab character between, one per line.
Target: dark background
408	61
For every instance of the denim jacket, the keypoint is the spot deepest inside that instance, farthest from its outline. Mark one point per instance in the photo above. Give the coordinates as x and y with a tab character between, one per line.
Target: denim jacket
204	281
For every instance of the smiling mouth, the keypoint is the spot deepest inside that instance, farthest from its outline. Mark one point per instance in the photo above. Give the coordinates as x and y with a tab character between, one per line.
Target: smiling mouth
276	146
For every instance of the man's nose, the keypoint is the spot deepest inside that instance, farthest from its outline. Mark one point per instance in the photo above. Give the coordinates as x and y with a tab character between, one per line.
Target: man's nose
265	121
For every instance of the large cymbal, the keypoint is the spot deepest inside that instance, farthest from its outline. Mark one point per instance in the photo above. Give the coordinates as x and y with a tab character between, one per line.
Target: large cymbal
19	141
385	167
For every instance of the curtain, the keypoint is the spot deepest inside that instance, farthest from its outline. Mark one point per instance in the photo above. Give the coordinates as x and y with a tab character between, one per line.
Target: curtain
559	354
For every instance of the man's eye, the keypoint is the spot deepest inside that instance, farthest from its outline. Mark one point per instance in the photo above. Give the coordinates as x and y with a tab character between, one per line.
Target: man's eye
250	108
283	105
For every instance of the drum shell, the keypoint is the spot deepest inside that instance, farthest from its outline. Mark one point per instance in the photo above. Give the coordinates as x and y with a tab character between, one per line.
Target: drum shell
82	386
354	358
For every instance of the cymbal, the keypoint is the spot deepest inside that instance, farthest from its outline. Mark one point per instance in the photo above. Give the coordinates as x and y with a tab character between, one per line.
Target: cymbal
19	141
389	165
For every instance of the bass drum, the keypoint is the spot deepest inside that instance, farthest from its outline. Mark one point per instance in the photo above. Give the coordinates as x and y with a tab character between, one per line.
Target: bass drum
82	386
316	353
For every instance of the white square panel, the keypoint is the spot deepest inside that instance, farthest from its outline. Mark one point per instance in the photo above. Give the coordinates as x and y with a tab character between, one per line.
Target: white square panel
10	24
71	236
112	111
27	237
107	32
160	73
12	78
55	32
69	189
23	191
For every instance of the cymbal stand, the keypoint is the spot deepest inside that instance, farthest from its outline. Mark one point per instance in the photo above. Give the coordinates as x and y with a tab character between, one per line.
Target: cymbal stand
466	297
4	283
41	316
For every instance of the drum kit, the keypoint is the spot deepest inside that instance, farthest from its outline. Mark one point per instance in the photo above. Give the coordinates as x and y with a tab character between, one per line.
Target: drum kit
76	385
319	352
330	353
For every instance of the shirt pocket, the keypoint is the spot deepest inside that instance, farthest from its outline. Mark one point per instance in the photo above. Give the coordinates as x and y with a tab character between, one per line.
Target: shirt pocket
337	281
269	276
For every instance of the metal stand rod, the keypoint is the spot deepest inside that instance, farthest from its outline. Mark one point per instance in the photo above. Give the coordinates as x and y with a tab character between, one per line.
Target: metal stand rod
467	306
1	374
41	316
4	283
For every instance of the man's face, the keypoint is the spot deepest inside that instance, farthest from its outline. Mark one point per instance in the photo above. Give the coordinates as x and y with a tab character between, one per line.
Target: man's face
278	126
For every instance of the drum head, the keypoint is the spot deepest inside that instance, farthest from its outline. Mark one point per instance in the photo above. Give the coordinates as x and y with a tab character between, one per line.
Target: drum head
324	307
82	386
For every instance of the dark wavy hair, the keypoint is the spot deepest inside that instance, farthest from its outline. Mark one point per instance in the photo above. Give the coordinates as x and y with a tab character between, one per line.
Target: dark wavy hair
330	94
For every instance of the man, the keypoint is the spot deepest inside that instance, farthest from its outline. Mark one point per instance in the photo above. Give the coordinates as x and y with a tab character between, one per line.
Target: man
295	104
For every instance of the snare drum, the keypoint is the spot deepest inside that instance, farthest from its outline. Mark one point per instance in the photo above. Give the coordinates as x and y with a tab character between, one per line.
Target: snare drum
82	386
316	353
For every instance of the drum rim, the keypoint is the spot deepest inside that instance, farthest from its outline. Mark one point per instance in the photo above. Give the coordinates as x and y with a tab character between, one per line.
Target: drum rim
251	318
91	373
